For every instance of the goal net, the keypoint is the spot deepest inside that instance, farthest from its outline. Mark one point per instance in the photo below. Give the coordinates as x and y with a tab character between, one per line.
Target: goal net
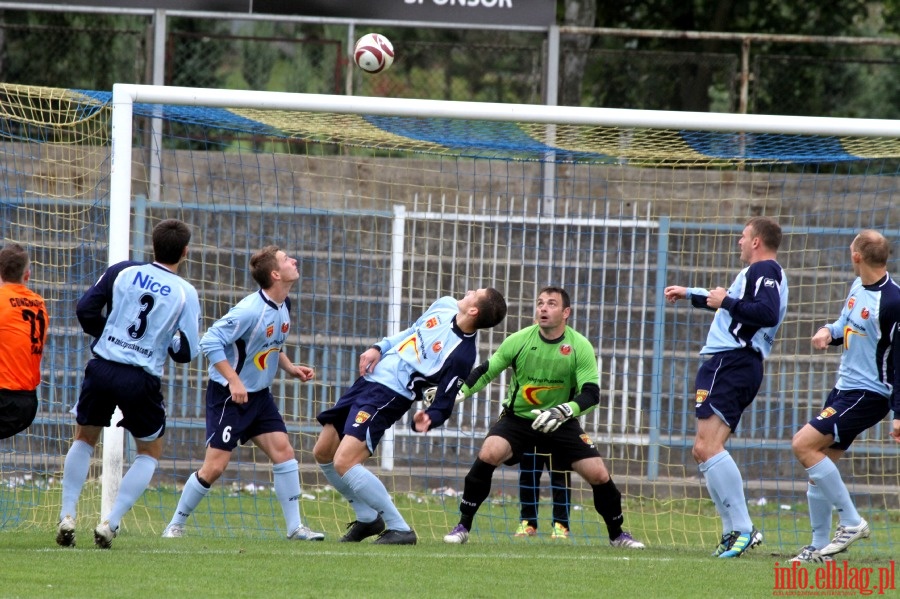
388	205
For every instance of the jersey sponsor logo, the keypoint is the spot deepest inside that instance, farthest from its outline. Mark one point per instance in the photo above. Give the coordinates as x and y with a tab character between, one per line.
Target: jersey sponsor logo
587	440
270	329
262	357
701	396
436	347
145	281
432	322
411	342
565	349
285	327
851	303
848	333
361	417
864	314
530	393
826	413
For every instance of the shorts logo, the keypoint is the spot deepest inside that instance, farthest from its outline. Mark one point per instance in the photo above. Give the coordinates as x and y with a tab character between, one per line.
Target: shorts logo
432	322
361	417
285	327
586	439
701	396
826	413
436	347
565	349
864	314
270	329
851	303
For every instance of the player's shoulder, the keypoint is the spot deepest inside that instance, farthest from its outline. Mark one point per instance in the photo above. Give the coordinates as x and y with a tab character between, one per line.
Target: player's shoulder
573	337
766	268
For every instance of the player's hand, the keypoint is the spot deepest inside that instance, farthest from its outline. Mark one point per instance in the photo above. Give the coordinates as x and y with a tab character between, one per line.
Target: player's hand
822	339
548	421
368	359
238	392
304	373
715	297
422	421
430	392
674	293
895	430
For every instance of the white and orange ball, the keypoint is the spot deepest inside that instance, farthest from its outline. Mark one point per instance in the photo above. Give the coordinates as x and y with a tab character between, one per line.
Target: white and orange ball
373	53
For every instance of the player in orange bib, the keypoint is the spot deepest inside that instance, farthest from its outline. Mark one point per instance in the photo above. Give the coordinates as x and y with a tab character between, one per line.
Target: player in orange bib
23	329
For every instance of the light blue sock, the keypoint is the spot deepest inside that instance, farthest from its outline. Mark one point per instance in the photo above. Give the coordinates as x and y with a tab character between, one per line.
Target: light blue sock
133	484
191	497
723	475
287	490
724	515
371	490
819	516
827	478
75	472
364	513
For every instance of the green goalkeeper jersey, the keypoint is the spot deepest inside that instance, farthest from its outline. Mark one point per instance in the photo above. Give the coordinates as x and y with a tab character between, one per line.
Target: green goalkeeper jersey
545	373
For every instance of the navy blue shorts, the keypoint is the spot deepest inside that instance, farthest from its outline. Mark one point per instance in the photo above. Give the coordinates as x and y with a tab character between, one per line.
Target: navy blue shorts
567	444
727	382
365	411
135	391
17	411
847	413
228	423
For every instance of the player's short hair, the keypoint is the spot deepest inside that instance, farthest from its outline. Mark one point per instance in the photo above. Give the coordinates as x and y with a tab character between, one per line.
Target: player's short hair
874	247
767	230
13	263
566	302
262	263
491	309
170	237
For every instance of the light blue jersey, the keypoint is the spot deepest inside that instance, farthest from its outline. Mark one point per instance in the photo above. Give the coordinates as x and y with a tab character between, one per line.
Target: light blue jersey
249	337
868	330
432	351
752	311
145	304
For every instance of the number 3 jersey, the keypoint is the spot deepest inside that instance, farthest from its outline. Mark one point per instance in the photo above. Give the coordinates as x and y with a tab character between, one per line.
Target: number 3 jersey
145	305
249	337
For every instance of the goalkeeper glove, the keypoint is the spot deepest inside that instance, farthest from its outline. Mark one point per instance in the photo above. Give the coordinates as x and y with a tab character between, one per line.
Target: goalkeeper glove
548	421
430	392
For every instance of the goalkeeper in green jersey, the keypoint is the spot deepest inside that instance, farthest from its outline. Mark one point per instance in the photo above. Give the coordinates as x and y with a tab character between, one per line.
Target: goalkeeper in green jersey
554	381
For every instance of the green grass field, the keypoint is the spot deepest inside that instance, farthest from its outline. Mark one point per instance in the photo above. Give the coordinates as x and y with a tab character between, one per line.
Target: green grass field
245	555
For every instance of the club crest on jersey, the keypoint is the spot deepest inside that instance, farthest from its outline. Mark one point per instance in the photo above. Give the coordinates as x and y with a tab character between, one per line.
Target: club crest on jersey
565	349
285	327
270	329
851	303
436	347
826	413
701	396
864	314
361	417
432	322
587	440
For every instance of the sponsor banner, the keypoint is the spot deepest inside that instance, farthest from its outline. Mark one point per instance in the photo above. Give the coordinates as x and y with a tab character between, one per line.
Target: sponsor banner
539	13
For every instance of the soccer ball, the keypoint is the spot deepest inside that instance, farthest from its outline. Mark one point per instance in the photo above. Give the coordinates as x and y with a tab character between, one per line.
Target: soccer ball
373	53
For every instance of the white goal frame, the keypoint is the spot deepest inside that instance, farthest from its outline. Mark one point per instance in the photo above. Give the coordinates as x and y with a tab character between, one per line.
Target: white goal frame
124	97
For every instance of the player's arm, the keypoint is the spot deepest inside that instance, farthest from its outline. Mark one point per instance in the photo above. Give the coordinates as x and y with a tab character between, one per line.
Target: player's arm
762	308
441	407
890	329
186	343
491	368
223	333
96	303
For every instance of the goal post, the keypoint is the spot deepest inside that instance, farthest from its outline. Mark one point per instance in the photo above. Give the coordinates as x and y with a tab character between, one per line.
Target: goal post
389	204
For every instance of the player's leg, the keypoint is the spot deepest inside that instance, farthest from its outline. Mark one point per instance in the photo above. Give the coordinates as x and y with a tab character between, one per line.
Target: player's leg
75	472
530	469
196	489
368	522
846	415
286	475
560	483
